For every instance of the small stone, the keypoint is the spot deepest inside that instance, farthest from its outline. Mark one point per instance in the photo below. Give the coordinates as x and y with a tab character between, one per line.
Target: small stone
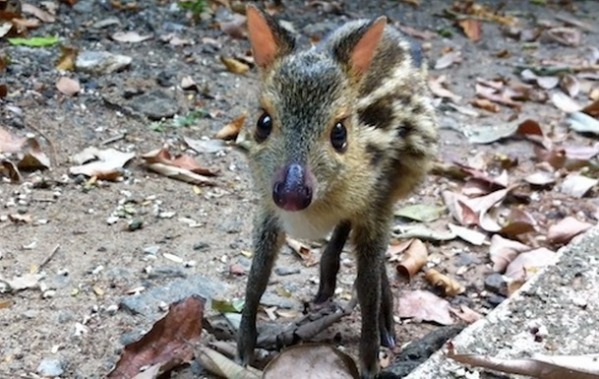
466	260
156	105
50	367
236	269
496	283
200	246
101	62
135	224
495	300
112	309
31	313
152	250
285	271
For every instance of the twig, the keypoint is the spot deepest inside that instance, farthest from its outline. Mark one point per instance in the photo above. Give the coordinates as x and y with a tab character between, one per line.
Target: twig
53	158
48	258
114	139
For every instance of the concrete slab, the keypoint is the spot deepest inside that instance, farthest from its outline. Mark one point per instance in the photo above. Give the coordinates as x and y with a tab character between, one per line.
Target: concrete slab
555	313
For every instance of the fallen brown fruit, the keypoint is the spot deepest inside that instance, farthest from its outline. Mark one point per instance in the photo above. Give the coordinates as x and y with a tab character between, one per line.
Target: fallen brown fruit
413	259
449	285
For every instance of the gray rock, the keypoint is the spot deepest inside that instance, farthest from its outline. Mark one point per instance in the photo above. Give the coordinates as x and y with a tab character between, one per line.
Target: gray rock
155	105
272	300
101	62
51	367
151	250
201	246
167	272
496	283
147	302
65	316
284	271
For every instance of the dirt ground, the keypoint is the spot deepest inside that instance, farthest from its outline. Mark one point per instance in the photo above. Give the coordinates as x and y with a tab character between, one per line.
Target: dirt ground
74	317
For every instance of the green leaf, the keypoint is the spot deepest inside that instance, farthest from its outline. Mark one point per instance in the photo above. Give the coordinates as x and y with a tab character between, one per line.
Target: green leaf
225	306
34	41
421	212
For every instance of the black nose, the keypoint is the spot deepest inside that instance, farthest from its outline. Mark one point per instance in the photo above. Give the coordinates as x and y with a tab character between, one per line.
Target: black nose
292	193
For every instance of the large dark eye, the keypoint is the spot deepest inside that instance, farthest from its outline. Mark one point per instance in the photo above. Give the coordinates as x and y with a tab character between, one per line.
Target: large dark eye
339	137
263	127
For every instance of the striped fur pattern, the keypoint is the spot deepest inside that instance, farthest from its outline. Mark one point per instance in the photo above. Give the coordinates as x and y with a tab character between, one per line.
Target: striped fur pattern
372	81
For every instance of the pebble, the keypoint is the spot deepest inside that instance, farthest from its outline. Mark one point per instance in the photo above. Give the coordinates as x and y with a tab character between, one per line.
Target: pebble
155	105
152	250
101	62
285	271
50	367
496	283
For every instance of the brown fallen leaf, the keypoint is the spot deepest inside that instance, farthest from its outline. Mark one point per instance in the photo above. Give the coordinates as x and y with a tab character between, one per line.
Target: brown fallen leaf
592	109
570	85
10	143
8	168
527	264
541	178
518	222
472	28
577	185
466	314
436	86
396	248
469	235
68	56
503	251
449	286
448	59
459	209
32	157
68	86
424	306
182	167
102	164
304	252
316	361
485	104
564	35
37	12
413	259
235	65
168	344
566	229
231	130
218	364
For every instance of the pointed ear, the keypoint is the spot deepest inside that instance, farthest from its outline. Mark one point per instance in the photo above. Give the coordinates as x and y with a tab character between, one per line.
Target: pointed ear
269	40
357	49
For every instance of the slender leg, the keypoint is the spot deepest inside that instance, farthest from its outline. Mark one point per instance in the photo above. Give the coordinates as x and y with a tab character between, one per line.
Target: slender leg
371	242
386	323
268	239
329	262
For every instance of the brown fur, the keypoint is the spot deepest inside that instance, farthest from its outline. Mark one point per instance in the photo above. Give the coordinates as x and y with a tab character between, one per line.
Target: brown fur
375	85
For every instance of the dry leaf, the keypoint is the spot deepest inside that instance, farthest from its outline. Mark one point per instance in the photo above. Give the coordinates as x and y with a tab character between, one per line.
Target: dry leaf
541	178
472	29
130	37
68	86
565	36
183	167
231	130
449	285
577	185
564	102
527	264
503	251
448	59
20	283
396	249
468	235
223	367
518	222
303	251
102	164
68	56
592	109
37	12
413	259
437	88
457	207
33	158
466	314
570	85
424	306
10	143
235	65
485	104
566	229
315	361
235	28
168	344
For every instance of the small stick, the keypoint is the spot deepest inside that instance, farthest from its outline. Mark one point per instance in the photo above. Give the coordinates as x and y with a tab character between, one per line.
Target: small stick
114	139
48	258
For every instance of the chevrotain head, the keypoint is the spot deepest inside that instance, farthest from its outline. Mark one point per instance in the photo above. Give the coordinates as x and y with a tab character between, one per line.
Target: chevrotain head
305	129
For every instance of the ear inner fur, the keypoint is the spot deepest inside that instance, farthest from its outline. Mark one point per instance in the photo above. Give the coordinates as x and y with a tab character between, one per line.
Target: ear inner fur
362	54
262	38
